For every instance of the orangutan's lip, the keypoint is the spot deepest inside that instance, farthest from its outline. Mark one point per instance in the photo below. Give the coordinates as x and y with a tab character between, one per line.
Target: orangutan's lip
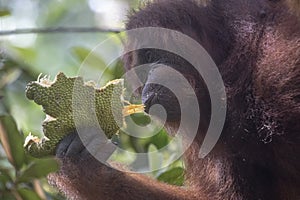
150	95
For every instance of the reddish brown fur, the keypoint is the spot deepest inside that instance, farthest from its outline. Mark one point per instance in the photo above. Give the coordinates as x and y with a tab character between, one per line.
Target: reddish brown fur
257	156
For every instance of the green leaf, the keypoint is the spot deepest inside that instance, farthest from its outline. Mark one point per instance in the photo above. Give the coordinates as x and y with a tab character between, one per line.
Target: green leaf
174	176
89	57
12	141
27	194
4	176
39	168
161	139
55	12
118	70
141	119
4	12
28	54
5	179
155	158
80	53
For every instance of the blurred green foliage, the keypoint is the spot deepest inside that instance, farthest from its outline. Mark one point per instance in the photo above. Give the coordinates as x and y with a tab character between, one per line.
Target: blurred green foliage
19	172
24	56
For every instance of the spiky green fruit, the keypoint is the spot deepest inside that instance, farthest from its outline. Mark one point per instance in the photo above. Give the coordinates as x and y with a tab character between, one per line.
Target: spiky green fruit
69	100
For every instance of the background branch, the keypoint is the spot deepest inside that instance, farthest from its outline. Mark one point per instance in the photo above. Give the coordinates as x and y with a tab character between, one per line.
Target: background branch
59	30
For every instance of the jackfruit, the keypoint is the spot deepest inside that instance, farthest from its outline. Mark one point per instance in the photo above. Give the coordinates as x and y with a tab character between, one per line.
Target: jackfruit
69	100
